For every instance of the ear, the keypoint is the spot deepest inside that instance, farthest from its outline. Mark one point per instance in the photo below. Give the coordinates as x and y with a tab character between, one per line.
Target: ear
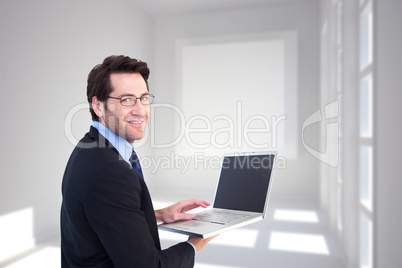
98	107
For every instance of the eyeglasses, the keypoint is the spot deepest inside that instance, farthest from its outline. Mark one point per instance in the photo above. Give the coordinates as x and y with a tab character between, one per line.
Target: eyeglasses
131	100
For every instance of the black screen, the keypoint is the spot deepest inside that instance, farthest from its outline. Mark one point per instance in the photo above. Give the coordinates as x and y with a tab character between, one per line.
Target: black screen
244	182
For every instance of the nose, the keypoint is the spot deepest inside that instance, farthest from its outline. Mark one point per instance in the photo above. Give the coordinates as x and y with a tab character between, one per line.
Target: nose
138	109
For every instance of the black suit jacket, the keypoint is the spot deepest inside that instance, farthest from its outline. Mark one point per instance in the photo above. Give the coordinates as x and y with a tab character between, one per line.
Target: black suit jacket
107	217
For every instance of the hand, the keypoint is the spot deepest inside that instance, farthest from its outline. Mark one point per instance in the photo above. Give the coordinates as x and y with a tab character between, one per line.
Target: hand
176	212
199	243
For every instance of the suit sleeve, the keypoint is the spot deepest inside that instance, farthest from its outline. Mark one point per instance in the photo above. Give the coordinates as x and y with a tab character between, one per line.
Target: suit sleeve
113	208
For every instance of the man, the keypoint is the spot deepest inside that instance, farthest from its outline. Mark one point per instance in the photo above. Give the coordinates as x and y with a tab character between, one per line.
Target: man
107	217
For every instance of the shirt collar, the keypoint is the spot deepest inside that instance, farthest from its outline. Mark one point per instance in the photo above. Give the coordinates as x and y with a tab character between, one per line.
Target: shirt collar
123	147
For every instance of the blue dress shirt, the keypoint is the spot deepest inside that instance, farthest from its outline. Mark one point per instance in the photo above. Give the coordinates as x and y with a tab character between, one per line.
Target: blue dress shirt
123	147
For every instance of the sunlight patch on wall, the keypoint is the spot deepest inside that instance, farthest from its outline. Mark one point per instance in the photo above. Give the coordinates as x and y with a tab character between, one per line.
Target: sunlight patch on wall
296	215
303	243
48	257
16	233
248	82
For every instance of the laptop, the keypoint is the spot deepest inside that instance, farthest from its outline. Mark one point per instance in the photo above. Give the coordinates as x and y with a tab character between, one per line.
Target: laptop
241	196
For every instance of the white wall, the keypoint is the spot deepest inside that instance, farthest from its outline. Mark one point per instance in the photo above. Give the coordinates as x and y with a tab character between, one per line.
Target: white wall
47	51
301	174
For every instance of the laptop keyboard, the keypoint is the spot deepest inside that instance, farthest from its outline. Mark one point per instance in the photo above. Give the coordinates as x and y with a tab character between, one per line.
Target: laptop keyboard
219	217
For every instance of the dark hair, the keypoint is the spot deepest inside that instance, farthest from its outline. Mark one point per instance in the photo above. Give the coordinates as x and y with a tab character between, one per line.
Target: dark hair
99	84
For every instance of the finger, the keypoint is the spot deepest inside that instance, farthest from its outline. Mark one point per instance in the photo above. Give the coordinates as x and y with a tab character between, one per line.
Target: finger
196	203
193	206
188	208
205	204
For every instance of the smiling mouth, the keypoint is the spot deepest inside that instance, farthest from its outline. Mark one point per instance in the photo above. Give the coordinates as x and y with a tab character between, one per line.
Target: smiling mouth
135	123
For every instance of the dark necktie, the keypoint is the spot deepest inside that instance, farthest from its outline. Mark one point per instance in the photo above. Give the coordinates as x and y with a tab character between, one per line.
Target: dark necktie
135	162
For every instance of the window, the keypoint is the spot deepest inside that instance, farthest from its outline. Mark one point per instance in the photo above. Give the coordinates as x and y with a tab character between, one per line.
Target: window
366	176
366	107
339	95
366	35
366	241
366	121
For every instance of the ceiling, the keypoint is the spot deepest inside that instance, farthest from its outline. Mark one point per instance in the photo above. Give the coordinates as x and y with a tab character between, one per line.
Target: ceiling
164	8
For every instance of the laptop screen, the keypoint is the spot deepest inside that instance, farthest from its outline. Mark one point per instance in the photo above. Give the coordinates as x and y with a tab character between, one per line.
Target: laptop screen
244	181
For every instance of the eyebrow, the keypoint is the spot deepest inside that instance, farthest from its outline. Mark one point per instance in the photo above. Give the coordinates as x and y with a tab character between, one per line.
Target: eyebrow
132	95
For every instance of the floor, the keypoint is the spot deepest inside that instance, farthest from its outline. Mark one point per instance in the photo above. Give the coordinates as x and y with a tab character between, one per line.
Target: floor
294	234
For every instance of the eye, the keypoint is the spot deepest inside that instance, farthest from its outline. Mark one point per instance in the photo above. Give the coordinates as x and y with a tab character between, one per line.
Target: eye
144	98
126	100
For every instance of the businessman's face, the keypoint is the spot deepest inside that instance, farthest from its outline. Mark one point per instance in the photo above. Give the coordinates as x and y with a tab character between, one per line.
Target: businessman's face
129	122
